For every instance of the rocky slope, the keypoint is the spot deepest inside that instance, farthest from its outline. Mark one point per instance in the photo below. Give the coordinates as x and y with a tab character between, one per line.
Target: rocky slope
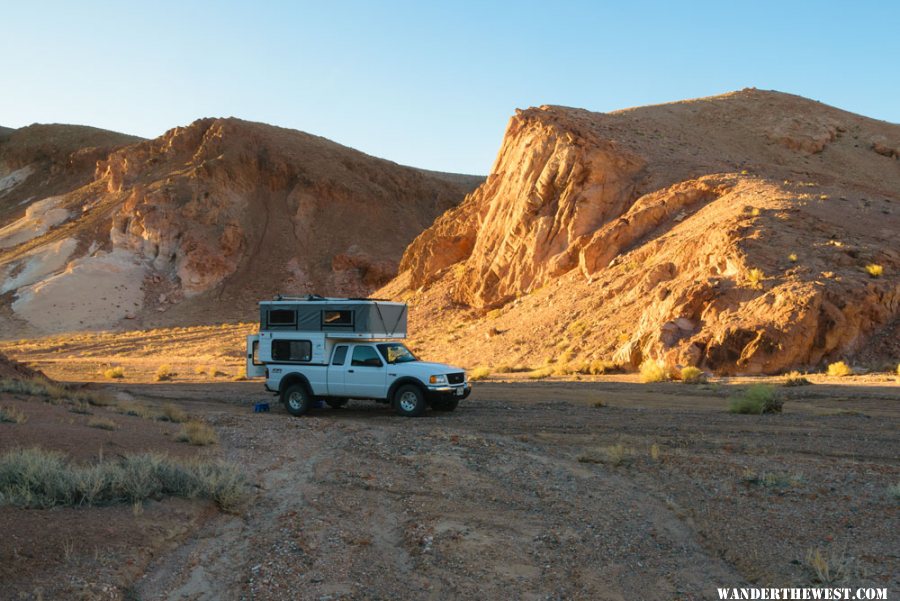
199	224
732	233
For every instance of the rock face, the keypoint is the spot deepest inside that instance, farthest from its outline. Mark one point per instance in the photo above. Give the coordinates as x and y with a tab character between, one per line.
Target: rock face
732	233
218	215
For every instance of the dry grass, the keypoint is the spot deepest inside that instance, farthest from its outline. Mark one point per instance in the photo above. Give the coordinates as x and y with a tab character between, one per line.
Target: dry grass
795	378
756	400
55	393
653	371
827	567
874	270
479	373
164	372
114	373
792	257
540	374
839	369
197	433
102	423
692	375
771	479
241	375
616	455
12	415
41	479
137	409
173	413
755	278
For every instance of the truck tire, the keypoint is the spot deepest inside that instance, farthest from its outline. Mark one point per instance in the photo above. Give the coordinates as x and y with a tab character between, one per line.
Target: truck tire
336	403
296	399
409	401
444	404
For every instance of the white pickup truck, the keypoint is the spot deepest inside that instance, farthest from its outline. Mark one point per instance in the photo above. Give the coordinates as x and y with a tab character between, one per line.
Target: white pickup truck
312	348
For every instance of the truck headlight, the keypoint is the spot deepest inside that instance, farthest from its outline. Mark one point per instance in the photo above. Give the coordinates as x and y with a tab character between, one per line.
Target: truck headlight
437	380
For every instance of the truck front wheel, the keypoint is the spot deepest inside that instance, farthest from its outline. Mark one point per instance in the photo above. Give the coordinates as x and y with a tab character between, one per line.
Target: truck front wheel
296	400
409	401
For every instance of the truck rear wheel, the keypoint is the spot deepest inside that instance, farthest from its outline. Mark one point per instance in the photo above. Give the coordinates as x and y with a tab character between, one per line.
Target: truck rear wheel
409	401
296	399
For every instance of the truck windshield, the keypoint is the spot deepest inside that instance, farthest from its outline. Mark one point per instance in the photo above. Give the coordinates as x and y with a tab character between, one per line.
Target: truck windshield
396	353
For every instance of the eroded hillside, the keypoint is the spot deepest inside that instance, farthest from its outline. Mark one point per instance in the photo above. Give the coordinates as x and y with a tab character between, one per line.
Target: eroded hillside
199	224
747	233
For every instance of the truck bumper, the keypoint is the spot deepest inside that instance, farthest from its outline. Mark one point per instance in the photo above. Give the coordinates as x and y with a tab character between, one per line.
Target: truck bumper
449	392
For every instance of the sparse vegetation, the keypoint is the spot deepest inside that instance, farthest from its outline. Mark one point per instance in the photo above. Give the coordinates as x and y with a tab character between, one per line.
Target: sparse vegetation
692	375
827	567
599	404
795	378
839	369
771	479
874	270
12	415
54	393
654	452
241	375
494	313
479	373
137	409
540	374
792	257
114	373
755	278
617	454
894	491
173	413
653	371
102	423
39	478
164	372
197	433
756	400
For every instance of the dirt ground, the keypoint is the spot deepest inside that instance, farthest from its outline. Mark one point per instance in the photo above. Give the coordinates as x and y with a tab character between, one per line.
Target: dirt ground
517	495
603	488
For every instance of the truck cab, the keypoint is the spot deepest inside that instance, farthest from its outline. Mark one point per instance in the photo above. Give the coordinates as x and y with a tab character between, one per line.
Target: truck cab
338	349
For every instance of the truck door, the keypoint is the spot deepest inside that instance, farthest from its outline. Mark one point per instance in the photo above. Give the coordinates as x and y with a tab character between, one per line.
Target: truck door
365	375
255	368
337	371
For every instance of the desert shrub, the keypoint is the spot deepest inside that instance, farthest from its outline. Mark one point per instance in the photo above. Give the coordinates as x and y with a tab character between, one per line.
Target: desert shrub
692	375
12	415
241	375
617	454
874	270
172	413
654	452
102	423
839	369
164	372
200	370
137	409
479	373
771	479
795	378
114	373
540	374
197	433
214	372
792	257
653	371
494	313
827	567
894	491
577	328
39	478
756	400
755	277
600	366
54	393
81	407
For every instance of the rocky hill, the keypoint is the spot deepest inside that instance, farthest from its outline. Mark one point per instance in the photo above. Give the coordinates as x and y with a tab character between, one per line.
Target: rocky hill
752	232
102	230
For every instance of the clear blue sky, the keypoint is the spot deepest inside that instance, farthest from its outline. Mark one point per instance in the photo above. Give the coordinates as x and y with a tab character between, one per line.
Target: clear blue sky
426	83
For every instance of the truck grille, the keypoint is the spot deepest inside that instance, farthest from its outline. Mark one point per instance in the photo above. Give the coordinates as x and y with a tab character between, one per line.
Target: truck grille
456	378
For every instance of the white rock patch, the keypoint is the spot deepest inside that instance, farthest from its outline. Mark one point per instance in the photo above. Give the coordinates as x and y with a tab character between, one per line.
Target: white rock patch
14	178
39	217
38	264
92	293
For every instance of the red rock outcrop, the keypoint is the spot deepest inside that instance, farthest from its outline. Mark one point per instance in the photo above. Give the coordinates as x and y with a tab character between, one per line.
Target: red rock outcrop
732	233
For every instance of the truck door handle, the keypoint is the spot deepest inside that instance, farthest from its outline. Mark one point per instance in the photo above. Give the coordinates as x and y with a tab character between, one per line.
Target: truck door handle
349	371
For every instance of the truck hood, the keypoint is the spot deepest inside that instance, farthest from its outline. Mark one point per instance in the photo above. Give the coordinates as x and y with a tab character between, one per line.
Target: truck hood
420	367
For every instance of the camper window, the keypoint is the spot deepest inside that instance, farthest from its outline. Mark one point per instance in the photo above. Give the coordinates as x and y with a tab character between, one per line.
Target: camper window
282	317
292	350
337	319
